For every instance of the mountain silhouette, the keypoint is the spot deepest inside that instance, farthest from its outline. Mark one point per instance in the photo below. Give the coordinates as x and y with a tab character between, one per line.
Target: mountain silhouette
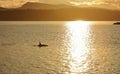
1	8
48	12
29	5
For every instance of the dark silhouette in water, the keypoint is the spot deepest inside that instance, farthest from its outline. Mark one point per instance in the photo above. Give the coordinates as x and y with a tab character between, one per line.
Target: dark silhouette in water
117	23
41	45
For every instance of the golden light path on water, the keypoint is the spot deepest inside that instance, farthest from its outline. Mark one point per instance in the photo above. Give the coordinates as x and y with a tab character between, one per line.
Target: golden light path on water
78	32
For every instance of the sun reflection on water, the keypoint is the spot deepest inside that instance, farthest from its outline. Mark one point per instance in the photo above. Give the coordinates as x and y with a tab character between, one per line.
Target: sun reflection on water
78	45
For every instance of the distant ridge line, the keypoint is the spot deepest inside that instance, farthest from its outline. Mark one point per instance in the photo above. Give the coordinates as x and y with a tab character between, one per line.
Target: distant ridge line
58	13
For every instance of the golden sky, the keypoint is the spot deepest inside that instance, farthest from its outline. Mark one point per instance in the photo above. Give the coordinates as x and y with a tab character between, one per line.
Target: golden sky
111	4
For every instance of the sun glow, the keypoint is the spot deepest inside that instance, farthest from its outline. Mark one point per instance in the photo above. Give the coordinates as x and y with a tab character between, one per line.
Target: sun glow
79	37
80	23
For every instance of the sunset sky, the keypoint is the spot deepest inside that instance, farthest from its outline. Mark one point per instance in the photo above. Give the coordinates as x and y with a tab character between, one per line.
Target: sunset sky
110	4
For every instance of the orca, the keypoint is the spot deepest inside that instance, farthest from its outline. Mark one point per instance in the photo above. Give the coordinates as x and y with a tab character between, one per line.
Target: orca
41	45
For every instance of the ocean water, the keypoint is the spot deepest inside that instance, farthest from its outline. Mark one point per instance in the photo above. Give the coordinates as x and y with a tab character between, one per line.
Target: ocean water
73	47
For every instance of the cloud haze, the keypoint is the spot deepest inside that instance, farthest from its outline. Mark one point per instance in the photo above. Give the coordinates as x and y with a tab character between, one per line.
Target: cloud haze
111	4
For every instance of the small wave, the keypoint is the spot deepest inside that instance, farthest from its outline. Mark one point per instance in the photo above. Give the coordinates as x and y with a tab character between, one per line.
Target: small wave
7	44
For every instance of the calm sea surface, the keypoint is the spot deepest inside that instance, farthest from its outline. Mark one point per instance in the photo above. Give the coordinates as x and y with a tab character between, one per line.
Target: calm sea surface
74	47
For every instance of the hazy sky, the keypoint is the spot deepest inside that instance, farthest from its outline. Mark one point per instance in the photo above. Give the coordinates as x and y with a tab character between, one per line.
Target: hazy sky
111	4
